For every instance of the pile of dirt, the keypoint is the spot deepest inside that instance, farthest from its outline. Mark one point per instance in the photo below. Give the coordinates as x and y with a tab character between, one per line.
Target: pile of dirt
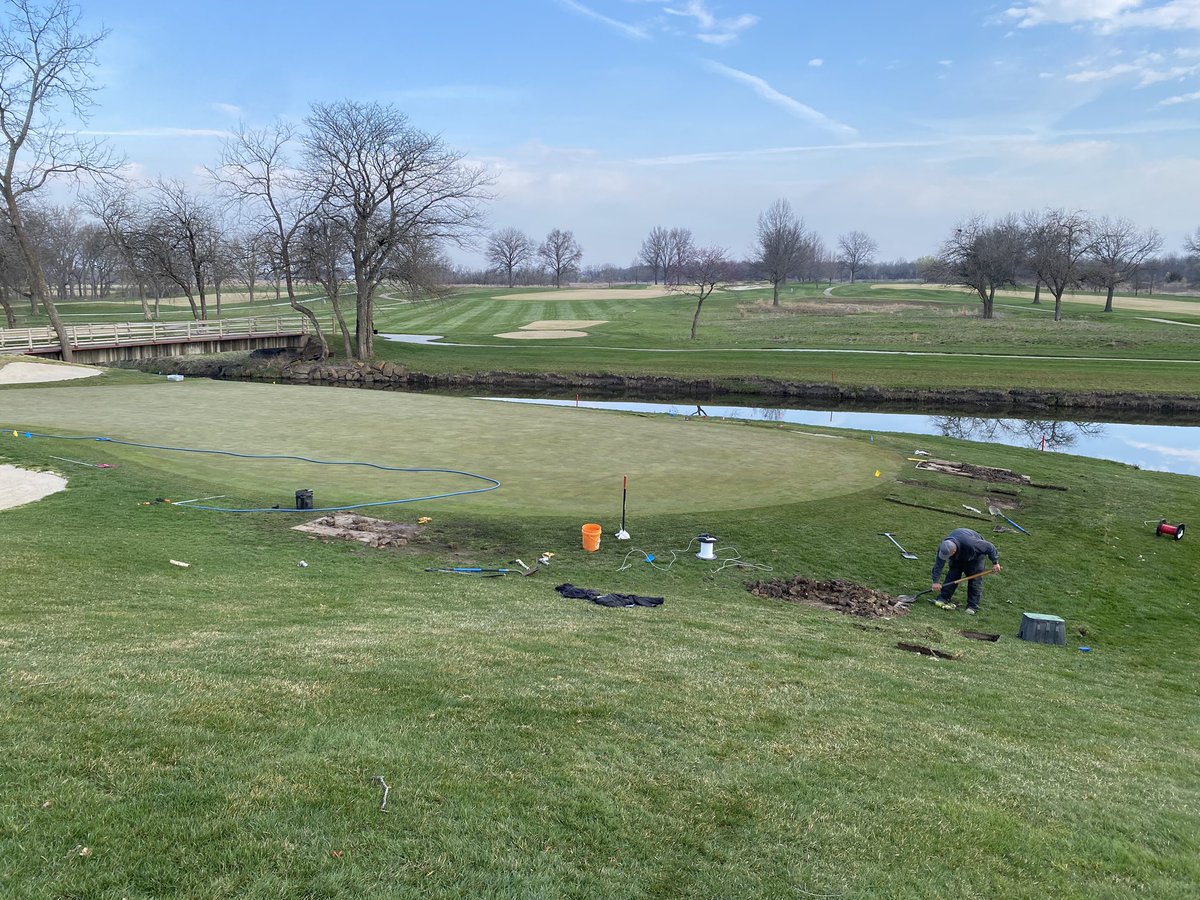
372	532
985	473
839	595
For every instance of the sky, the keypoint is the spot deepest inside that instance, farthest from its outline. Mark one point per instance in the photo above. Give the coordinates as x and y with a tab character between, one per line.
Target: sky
608	117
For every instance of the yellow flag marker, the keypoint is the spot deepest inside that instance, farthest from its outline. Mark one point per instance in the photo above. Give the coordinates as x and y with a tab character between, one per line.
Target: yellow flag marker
876	473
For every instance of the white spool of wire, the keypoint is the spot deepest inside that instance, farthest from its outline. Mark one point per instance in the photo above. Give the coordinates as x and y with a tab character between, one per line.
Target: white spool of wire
707	543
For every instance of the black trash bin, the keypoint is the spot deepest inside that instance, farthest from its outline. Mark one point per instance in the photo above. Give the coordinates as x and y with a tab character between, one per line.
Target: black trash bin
304	500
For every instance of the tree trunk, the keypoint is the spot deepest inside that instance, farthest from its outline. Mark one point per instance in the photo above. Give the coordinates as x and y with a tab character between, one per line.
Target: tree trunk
335	304
696	317
989	304
37	280
1058	306
1108	303
774	298
10	317
217	288
1037	291
364	344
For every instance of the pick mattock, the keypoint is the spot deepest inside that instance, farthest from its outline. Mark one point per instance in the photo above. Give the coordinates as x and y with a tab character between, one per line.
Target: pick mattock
909	598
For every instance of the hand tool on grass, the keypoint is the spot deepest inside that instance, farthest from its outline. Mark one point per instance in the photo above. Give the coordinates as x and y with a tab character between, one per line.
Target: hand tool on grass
903	552
909	598
995	511
623	535
481	572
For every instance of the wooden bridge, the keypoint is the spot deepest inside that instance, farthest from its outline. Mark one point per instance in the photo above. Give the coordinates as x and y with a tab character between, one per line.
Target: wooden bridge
98	344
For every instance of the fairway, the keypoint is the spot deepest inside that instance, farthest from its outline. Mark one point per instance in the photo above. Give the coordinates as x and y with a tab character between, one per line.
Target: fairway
550	461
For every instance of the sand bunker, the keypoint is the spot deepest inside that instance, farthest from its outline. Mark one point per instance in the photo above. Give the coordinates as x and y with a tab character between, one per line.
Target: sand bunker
32	372
541	335
559	324
21	486
645	293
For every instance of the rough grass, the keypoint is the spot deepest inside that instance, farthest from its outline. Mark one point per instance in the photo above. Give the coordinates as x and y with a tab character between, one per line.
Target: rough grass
212	732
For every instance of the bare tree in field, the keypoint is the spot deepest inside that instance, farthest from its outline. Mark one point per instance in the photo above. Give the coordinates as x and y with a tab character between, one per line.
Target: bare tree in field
983	256
1057	241
257	173
389	184
1191	244
678	251
654	249
181	226
1118	249
561	254
117	210
700	274
781	238
856	249
322	257
46	62
508	249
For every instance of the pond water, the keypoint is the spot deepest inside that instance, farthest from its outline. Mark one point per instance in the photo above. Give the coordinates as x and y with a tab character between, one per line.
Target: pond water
1164	448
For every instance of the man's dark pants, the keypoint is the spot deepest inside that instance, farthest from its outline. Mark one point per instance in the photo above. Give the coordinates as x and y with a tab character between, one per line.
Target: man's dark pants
974	588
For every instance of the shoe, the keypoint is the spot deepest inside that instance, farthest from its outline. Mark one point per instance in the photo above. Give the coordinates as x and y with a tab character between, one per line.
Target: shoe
971	611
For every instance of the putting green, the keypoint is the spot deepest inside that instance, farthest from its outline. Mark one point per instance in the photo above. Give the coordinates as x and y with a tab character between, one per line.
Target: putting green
551	460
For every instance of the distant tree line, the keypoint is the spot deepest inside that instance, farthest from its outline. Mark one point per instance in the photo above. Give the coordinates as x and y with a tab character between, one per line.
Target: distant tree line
356	201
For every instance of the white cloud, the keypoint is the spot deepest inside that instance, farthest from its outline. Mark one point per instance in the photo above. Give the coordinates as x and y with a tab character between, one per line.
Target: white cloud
945	62
793	106
713	30
1143	68
816	63
1108	16
228	108
627	30
1192	456
1181	98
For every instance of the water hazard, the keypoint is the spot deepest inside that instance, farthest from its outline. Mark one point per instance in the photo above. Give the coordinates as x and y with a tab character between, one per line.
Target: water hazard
1164	448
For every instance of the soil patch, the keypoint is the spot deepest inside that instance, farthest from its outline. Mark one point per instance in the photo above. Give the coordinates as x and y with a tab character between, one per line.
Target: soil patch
985	473
364	529
839	595
21	486
536	335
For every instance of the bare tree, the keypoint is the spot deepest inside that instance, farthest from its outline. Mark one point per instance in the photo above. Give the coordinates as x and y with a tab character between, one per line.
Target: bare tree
118	212
322	257
561	254
186	225
508	249
700	274
654	249
256	172
46	62
1117	251
983	256
389	184
781	237
1057	242
678	252
856	249
1191	244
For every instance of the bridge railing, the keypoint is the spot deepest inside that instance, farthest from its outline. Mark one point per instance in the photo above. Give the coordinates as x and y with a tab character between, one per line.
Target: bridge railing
141	333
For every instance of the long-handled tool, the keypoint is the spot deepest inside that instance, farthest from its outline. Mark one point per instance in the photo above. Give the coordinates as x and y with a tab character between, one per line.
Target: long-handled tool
995	511
903	552
909	598
623	535
481	572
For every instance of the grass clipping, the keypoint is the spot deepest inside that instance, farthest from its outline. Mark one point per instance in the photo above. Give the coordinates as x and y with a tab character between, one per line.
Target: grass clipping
839	595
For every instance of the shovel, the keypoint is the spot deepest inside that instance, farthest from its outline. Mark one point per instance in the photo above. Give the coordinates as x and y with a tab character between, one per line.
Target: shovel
903	552
909	598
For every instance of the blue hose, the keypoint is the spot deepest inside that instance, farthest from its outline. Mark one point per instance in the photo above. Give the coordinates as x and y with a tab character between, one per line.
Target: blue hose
492	483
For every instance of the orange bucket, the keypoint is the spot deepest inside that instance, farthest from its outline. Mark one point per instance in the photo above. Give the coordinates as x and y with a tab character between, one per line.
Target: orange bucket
591	538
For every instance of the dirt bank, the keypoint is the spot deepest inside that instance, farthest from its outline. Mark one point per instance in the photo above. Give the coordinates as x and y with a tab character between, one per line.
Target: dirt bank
396	375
